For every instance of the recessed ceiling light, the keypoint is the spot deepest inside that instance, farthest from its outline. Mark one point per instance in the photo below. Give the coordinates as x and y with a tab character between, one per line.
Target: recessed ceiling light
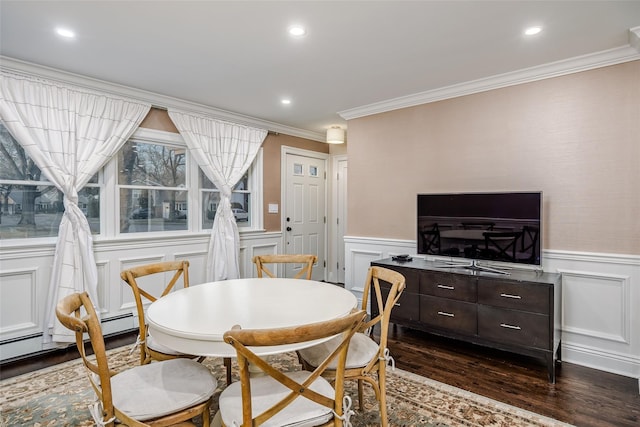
66	33
532	31
286	101
297	31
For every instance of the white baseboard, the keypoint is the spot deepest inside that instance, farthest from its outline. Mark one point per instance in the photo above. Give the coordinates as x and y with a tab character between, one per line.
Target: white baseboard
621	364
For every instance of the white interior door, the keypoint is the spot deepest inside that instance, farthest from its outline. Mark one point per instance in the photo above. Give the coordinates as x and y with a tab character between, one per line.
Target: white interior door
304	207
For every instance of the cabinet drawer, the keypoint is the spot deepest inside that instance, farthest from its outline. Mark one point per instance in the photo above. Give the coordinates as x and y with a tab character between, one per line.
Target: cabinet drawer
406	308
514	327
531	297
456	316
411	277
446	285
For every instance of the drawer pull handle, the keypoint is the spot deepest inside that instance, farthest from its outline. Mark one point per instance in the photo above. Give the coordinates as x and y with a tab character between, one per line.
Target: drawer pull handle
504	325
446	287
443	313
510	296
396	304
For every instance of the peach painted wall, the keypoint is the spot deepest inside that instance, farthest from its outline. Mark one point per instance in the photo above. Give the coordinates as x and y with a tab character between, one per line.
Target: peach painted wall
272	152
574	137
159	120
271	149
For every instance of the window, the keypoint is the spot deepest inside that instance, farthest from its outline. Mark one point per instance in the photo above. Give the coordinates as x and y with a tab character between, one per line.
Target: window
151	185
30	205
240	201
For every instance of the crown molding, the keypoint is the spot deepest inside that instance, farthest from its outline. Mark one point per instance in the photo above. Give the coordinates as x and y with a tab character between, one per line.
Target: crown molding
541	72
157	100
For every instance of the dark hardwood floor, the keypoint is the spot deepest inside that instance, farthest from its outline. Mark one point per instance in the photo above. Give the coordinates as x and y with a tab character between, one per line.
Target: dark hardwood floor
52	357
581	396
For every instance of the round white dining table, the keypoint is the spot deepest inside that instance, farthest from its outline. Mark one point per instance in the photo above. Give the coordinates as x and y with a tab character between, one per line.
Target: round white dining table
193	320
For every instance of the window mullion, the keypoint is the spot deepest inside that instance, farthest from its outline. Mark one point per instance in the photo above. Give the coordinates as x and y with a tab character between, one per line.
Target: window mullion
109	202
255	186
193	196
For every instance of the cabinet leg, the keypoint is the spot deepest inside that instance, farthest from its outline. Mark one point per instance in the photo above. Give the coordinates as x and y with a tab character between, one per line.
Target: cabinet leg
559	352
551	367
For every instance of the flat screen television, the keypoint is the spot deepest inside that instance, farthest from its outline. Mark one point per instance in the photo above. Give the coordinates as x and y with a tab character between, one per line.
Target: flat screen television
502	227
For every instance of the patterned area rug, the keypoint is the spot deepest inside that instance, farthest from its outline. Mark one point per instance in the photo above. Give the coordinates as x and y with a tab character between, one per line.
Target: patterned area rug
59	396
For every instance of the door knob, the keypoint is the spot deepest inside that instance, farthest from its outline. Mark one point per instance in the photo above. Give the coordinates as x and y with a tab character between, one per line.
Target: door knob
288	228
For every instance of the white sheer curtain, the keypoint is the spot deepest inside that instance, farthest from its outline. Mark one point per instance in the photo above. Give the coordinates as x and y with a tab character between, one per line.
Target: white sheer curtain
224	151
70	133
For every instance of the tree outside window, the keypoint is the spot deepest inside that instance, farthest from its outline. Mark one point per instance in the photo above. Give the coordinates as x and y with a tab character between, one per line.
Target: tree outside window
30	206
152	187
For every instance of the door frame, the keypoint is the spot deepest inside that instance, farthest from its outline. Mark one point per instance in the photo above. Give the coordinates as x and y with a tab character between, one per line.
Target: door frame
285	151
334	235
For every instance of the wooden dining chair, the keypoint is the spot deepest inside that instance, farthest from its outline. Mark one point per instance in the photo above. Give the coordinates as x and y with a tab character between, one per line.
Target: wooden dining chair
305	262
150	350
280	398
367	359
157	394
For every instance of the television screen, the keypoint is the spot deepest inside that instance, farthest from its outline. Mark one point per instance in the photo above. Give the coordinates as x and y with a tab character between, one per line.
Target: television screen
503	227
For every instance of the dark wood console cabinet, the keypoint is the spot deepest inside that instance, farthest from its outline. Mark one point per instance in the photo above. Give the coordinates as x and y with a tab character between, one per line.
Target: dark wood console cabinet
517	312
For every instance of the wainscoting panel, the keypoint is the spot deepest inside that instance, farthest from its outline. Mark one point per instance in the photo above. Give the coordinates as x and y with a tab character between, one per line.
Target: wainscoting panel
270	248
581	290
359	252
601	296
104	294
125	300
18	303
197	265
360	259
24	287
259	244
601	320
25	272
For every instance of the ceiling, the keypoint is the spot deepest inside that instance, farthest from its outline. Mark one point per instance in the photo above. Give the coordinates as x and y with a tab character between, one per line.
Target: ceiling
238	56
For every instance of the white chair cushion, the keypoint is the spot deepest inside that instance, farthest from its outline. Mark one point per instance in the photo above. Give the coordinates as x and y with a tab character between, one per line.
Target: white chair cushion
161	388
156	346
361	350
265	392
